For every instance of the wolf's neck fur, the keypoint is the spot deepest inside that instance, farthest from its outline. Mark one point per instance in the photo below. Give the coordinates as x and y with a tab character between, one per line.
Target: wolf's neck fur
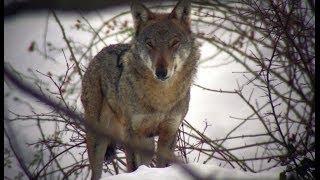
156	94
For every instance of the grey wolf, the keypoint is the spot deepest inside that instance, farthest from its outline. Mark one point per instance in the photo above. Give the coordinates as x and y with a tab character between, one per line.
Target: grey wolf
141	90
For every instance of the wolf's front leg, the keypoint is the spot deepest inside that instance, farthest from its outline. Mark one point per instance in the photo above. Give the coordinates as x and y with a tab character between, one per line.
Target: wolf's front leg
145	158
137	158
166	144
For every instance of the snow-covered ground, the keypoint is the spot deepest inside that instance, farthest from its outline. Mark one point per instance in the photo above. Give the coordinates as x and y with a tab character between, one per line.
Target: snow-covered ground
175	172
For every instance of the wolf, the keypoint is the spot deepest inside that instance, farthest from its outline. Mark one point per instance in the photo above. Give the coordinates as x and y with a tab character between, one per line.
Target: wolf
140	90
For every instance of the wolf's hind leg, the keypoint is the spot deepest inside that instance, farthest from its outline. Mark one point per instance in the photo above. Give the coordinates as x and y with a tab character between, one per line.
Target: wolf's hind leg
131	161
96	149
110	153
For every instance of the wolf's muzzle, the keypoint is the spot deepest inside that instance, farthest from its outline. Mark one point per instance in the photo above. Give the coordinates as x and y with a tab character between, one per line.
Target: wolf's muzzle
161	73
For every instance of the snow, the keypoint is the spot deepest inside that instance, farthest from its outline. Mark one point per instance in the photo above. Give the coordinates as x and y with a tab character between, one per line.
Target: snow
174	172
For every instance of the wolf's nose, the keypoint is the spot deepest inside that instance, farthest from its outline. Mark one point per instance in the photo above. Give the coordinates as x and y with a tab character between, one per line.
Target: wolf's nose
161	73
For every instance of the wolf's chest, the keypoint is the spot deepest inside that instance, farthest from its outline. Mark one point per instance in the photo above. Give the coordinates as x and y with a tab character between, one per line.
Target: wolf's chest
148	124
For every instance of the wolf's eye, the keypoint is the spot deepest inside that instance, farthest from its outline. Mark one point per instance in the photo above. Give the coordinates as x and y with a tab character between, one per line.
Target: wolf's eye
149	44
175	43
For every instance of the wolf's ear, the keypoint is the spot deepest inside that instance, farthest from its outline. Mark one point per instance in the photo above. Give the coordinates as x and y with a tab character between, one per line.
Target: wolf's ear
140	13
182	11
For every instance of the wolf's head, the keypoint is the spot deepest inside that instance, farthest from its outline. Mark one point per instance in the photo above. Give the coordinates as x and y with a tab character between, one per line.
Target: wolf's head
163	42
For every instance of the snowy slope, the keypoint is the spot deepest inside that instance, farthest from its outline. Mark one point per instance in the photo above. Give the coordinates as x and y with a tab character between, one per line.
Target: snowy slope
174	172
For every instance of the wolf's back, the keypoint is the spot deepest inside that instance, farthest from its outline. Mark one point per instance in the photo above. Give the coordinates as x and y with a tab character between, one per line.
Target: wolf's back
109	62
111	56
101	79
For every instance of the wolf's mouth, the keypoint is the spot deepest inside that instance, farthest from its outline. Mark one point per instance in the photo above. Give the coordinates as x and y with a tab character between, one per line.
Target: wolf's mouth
164	78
